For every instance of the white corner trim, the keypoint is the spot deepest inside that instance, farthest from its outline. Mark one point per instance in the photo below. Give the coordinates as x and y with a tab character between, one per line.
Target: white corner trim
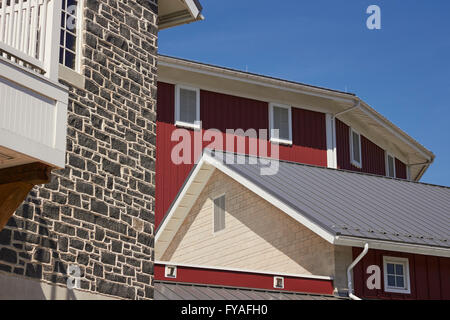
274	273
330	123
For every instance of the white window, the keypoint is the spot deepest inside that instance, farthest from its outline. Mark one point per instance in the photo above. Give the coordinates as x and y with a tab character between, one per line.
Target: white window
187	107
396	275
278	282
171	272
355	148
390	165
70	40
219	214
280	118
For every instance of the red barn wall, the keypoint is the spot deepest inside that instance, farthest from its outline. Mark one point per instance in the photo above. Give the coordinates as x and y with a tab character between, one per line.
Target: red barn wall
221	111
373	157
429	276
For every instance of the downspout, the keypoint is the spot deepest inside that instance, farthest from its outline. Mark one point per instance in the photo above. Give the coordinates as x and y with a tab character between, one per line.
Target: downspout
349	270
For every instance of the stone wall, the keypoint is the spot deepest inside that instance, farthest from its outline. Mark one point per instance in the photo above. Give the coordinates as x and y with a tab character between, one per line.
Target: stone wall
98	213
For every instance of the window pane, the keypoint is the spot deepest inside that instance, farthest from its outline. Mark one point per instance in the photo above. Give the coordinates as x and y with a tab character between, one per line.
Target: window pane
400	281
356	147
70	59
71	41
390	268
391	281
188	106
281	122
399	269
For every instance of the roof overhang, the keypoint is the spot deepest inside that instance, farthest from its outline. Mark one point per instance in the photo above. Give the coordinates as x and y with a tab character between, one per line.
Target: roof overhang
198	179
253	86
177	12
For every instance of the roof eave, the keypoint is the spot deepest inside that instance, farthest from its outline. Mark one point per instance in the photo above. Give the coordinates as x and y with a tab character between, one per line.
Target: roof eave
342	240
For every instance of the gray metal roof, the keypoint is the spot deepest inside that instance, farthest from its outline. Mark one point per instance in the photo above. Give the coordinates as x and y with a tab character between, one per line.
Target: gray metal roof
186	291
359	205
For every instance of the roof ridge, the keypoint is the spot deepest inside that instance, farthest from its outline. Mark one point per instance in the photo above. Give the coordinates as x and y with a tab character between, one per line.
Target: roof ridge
259	75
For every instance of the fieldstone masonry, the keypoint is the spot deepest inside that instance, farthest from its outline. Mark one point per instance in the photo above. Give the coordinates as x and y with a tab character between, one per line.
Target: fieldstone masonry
98	213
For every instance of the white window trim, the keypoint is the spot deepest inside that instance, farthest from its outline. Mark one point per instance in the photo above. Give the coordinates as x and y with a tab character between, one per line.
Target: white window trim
79	35
275	282
396	260
178	123
353	161
277	140
167	273
386	157
213	216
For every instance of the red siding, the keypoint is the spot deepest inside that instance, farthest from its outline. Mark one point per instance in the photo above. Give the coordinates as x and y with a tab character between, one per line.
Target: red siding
429	276
245	280
220	111
373	157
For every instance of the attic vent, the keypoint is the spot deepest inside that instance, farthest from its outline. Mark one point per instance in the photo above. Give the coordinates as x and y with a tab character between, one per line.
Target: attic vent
219	214
171	272
278	282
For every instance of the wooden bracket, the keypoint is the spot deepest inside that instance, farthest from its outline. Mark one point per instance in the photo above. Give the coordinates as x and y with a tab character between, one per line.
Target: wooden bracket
16	183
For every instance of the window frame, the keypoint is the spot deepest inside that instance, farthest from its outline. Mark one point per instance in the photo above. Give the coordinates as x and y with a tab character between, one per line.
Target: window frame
352	159
271	123
196	125
214	214
405	263
78	36
386	159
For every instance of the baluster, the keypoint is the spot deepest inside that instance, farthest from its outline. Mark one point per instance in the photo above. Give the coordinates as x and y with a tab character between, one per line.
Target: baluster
3	21
43	33
11	23
34	28
27	24
19	27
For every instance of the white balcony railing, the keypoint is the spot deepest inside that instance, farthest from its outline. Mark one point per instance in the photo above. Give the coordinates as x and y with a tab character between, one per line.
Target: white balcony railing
33	105
29	34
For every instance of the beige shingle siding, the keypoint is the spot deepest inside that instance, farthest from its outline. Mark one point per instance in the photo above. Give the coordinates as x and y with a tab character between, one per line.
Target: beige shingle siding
257	237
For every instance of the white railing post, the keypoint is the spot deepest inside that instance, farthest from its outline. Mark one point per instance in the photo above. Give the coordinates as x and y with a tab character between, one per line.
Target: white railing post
52	34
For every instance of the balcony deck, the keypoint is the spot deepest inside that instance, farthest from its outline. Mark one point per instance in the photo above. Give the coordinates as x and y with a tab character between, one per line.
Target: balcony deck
33	105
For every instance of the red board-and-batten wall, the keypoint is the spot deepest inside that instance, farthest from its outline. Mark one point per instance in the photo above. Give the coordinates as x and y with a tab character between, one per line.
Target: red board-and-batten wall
220	111
429	276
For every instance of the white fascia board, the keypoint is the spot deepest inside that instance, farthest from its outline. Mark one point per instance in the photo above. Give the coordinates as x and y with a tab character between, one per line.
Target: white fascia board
192	7
180	198
394	130
392	246
250	79
274	273
271	199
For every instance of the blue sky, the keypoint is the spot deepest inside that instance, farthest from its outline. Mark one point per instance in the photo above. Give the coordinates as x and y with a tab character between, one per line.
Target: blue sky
402	70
